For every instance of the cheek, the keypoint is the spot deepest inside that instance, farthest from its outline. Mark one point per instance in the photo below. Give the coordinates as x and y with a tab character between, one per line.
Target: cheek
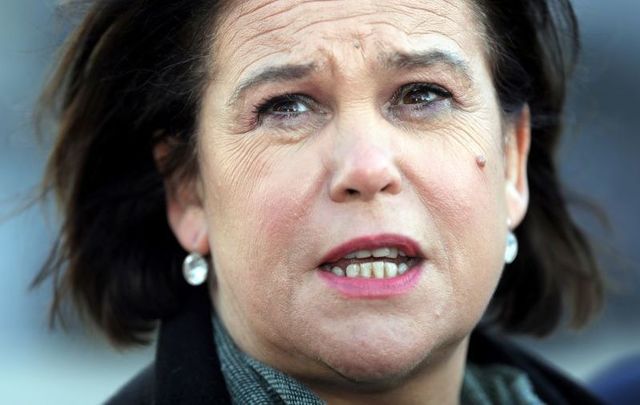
260	237
278	191
255	207
458	193
466	206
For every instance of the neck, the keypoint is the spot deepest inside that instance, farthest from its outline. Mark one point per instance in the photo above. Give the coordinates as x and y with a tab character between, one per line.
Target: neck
437	382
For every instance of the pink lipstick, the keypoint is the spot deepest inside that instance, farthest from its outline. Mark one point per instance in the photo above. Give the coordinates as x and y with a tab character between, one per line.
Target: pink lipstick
377	266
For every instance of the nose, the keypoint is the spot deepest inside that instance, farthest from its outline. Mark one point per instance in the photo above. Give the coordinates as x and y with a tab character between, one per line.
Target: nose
364	169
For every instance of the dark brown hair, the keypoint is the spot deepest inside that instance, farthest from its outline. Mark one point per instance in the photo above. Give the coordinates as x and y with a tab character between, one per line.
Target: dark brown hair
132	74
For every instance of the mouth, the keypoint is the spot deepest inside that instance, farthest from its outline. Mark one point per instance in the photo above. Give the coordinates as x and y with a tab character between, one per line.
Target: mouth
374	257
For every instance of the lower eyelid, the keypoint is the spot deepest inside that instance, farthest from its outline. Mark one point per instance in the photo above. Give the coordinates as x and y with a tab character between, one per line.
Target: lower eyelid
423	106
287	115
421	111
292	121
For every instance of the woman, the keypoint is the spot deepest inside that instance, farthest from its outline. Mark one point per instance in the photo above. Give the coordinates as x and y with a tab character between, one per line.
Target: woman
349	178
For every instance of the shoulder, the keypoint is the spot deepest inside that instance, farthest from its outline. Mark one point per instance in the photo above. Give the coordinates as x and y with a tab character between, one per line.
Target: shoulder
138	390
186	369
550	384
158	384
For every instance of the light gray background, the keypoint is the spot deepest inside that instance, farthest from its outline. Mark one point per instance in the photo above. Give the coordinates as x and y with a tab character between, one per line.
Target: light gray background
599	159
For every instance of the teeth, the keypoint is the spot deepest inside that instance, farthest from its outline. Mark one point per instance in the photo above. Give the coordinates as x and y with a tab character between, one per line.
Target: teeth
353	270
365	270
378	269
380	252
390	269
386	252
337	271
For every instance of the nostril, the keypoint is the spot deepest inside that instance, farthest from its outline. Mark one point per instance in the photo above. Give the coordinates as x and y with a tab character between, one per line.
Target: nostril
364	177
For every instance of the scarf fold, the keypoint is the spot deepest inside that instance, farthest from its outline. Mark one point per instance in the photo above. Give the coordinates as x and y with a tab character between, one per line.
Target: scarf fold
250	381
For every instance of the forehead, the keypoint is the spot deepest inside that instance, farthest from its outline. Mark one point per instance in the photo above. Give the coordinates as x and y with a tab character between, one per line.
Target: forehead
252	34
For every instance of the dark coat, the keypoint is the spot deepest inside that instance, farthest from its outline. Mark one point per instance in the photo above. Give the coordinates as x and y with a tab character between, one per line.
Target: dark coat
187	369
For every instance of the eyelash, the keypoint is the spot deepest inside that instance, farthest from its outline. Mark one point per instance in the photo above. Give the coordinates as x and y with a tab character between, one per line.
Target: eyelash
261	109
439	91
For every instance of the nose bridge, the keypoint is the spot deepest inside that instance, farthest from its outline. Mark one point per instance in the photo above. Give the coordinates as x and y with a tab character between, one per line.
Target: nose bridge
359	133
364	161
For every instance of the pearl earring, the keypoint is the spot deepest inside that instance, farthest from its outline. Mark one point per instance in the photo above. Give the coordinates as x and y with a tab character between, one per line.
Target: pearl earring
195	269
511	250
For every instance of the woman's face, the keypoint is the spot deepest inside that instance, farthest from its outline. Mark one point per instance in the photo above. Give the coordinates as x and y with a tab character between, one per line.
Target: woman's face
354	128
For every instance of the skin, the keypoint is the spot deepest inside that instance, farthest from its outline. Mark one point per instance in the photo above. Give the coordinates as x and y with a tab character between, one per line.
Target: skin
277	191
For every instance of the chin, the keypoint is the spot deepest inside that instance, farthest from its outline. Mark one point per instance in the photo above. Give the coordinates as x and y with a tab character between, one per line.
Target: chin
377	358
375	373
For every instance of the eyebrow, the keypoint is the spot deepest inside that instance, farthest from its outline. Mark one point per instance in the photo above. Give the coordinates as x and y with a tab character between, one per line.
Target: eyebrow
389	61
274	74
412	60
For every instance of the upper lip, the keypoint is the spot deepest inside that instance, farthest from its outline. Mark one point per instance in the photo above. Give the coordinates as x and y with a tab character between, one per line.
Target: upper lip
371	242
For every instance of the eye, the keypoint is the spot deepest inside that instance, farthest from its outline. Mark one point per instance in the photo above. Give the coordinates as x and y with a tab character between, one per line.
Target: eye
290	112
283	107
419	95
419	103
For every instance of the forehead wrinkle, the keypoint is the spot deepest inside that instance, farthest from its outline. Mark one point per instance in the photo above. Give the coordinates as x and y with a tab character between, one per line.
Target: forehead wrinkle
285	10
239	74
257	22
254	28
284	7
257	8
231	19
441	14
335	19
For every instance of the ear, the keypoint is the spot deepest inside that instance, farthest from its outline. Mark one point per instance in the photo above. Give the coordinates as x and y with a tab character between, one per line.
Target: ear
518	141
185	212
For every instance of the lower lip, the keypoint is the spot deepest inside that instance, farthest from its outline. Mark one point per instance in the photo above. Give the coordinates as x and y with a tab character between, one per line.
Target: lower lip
357	287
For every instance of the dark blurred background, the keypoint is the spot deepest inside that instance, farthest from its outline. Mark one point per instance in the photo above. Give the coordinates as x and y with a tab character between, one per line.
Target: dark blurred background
599	160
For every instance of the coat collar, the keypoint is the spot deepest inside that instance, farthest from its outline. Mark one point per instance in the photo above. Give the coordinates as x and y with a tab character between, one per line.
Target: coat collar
187	369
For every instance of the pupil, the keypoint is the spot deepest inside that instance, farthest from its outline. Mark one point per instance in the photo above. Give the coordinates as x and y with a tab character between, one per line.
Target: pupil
417	96
287	107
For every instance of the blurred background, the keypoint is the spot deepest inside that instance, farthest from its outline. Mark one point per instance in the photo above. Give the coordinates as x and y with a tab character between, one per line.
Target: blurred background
599	159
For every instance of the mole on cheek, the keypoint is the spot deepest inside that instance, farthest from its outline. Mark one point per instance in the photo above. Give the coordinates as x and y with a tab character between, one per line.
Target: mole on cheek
481	161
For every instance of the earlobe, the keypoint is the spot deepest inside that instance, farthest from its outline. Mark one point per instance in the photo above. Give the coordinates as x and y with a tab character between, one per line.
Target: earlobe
189	226
185	213
517	153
